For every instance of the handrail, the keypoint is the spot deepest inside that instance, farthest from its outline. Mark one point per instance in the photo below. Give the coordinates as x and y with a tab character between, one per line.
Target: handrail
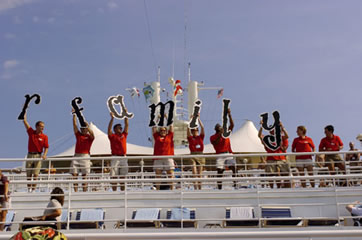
183	156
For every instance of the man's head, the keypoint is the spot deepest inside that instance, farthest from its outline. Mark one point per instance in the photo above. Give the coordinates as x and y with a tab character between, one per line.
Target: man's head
351	145
39	126
301	131
84	130
163	131
117	128
218	128
195	132
328	131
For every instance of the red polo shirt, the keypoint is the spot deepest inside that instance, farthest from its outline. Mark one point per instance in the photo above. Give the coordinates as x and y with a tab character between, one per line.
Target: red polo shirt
330	144
118	143
83	143
223	146
303	145
163	145
196	144
37	142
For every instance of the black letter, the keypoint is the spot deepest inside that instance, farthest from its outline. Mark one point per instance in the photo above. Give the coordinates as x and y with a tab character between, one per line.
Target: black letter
26	104
162	113
78	111
272	141
226	103
193	123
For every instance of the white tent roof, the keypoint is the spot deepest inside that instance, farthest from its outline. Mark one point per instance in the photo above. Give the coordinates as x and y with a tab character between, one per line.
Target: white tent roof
243	140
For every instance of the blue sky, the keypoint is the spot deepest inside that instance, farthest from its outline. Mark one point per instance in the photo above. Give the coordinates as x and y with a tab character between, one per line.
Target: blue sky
302	58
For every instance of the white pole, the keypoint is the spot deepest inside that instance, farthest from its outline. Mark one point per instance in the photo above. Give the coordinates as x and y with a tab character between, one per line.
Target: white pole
189	74
159	74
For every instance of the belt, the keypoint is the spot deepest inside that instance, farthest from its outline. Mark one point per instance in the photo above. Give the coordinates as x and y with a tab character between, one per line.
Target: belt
223	152
34	152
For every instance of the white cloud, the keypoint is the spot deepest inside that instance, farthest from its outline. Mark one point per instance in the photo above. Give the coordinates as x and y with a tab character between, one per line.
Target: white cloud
100	10
35	19
51	20
9	36
9	4
6	76
112	5
84	12
10	64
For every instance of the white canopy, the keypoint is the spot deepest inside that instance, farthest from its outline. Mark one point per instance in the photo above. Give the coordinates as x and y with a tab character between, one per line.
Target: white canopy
243	140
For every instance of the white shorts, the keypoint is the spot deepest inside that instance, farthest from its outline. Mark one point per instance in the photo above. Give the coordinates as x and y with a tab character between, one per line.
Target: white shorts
4	204
119	167
221	162
80	166
303	163
163	164
357	210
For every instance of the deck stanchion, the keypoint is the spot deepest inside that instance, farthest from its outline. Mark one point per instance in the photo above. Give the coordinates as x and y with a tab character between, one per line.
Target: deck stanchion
69	202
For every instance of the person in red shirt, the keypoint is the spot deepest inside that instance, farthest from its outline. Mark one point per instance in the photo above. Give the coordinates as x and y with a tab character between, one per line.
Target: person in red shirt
163	145
303	144
118	140
222	146
4	199
84	140
37	148
196	146
276	165
332	143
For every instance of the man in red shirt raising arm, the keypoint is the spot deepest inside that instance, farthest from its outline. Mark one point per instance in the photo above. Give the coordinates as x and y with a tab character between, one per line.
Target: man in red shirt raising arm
222	146
38	142
118	140
163	145
332	143
196	146
84	140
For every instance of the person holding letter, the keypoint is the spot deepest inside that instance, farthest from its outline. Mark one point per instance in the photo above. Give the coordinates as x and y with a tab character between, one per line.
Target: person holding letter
276	165
222	146
118	141
37	148
84	140
163	145
196	146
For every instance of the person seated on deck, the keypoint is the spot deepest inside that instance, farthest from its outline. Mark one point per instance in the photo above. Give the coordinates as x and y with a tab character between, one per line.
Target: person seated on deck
163	146
54	208
276	165
355	208
303	144
196	146
332	143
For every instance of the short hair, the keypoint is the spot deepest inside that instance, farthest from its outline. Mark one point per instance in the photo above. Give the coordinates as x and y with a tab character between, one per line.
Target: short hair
60	195
38	123
329	128
303	129
117	125
217	126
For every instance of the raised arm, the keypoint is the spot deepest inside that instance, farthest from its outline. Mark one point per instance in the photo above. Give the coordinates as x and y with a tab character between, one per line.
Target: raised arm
202	127
110	124
154	130
91	133
284	130
231	127
171	128
126	124
25	121
75	127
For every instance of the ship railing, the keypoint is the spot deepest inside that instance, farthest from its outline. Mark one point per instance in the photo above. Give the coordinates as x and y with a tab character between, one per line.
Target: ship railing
244	164
181	197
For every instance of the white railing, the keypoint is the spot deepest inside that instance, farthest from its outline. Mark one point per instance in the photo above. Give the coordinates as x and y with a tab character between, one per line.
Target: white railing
181	196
